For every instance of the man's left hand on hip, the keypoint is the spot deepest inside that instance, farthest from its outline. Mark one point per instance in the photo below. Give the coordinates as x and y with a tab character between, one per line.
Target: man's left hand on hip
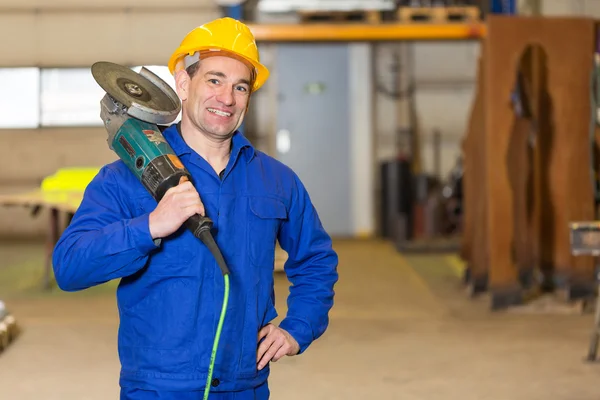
276	344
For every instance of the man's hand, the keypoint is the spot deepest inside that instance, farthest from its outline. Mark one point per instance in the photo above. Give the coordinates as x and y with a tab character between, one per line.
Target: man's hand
177	205
278	343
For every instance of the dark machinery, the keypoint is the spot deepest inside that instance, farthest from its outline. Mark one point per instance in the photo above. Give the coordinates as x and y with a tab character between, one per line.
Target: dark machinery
585	240
134	105
585	235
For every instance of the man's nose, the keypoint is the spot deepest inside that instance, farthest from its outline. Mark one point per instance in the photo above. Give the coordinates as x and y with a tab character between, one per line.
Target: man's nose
226	96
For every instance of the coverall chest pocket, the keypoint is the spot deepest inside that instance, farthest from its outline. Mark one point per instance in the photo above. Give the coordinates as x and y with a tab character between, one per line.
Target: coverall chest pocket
265	217
175	249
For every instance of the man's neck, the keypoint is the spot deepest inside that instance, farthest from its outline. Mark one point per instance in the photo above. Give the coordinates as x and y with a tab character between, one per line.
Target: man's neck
215	152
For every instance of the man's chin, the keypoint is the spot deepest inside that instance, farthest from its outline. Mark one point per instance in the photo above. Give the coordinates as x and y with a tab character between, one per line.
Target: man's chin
222	132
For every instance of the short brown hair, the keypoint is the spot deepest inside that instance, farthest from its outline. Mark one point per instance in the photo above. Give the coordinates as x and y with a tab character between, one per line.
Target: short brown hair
193	69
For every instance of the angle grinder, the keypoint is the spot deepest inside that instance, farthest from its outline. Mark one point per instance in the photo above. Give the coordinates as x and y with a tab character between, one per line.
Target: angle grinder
134	105
131	109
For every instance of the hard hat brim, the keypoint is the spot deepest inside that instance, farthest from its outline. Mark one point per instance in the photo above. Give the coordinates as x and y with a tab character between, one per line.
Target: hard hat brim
262	72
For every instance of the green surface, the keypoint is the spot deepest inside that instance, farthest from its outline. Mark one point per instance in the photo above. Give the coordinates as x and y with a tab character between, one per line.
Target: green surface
22	274
69	179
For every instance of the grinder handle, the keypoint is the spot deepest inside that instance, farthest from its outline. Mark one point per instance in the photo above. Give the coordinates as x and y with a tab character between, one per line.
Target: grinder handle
197	223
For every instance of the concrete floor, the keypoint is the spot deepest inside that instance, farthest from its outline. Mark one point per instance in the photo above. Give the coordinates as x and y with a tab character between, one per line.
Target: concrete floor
402	328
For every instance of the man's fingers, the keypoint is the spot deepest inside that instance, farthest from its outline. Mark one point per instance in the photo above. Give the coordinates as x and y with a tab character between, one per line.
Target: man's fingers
268	334
266	343
264	331
190	201
193	210
283	350
277	343
184	187
185	197
273	349
263	347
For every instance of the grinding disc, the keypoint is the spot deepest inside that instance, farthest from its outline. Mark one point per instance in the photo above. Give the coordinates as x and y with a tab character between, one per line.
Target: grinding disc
134	90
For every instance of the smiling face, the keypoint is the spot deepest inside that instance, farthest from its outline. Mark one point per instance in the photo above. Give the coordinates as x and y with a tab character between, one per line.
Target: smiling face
215	99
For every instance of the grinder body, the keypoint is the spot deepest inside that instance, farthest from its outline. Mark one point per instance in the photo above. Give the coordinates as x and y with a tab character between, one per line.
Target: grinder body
147	154
144	150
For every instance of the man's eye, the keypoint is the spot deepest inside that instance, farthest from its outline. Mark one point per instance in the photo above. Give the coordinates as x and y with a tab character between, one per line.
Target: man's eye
242	88
214	81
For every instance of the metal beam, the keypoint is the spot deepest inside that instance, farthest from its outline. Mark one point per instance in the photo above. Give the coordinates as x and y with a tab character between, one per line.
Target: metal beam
365	32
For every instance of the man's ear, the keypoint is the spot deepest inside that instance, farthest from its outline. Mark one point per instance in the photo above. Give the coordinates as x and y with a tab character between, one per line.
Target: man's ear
182	84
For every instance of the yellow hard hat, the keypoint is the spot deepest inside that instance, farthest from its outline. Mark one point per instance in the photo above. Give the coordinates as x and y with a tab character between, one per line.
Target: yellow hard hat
221	35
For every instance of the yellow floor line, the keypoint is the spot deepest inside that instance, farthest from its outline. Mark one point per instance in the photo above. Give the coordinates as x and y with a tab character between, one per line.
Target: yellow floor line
421	282
456	264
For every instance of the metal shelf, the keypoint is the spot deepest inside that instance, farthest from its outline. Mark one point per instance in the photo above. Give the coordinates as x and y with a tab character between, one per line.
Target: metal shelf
366	32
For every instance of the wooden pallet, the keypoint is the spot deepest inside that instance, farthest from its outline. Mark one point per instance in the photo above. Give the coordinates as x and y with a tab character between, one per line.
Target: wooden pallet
368	16
439	14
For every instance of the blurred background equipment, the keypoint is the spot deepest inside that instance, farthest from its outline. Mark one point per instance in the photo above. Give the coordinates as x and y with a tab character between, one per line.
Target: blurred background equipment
438	11
529	166
59	195
585	241
8	327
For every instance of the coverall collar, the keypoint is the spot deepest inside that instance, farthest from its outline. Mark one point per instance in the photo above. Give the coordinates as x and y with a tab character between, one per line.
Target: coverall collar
239	143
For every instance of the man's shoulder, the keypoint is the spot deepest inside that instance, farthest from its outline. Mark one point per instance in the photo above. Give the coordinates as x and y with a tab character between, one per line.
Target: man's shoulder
116	173
115	170
273	165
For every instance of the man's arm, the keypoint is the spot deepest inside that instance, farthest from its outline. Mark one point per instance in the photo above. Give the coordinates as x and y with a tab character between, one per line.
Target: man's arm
102	242
311	268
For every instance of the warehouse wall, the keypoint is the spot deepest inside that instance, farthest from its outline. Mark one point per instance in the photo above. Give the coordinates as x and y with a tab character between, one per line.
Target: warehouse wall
73	33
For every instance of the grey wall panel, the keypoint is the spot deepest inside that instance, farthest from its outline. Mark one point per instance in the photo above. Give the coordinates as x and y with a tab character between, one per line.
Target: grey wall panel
19	36
79	39
65	39
445	61
313	126
446	110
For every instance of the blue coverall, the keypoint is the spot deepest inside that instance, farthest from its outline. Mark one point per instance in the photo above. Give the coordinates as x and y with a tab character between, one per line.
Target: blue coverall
171	289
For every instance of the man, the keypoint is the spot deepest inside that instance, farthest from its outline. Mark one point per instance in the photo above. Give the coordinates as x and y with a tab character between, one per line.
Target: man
171	290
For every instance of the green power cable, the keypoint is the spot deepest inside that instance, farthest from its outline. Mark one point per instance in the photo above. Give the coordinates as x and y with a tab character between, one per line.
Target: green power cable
217	337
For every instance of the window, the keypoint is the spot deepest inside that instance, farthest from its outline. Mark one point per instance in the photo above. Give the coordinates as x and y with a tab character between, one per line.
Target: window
19	103
70	97
55	97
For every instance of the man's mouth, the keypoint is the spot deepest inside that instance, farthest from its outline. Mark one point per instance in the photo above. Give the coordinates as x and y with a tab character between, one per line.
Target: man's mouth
219	112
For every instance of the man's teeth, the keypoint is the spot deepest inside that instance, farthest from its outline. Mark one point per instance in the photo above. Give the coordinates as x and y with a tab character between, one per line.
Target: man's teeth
219	112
